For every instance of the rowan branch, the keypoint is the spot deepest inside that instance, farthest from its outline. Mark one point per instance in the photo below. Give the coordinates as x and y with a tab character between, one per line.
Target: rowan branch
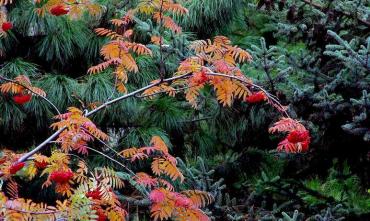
274	101
103	106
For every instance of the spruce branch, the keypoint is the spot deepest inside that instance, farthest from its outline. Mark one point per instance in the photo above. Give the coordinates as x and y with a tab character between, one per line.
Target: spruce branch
347	14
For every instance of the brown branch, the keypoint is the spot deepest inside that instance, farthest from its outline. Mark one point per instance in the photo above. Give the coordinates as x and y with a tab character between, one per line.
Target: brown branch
275	102
108	103
133	94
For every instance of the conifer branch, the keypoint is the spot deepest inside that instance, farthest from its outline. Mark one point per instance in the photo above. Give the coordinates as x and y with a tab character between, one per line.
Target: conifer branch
322	8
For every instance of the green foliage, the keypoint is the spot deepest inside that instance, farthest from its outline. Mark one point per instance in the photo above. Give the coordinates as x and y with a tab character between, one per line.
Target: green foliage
62	39
55	39
61	90
8	44
19	66
343	187
12	116
166	113
207	16
137	136
270	62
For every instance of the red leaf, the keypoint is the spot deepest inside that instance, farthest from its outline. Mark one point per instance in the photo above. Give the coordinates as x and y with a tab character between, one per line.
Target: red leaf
305	145
290	147
182	201
2	160
199	78
41	165
221	66
145	180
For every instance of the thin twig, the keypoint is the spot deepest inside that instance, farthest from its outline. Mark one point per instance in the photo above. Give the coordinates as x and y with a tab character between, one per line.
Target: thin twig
108	103
42	145
110	148
117	162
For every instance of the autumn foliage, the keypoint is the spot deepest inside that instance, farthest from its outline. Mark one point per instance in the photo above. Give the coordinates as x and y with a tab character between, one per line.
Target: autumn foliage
298	138
98	193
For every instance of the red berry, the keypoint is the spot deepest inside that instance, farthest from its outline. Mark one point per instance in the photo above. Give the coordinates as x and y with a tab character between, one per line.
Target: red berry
101	215
15	167
41	165
297	136
6	26
22	98
2	160
61	176
59	10
203	77
256	97
95	194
